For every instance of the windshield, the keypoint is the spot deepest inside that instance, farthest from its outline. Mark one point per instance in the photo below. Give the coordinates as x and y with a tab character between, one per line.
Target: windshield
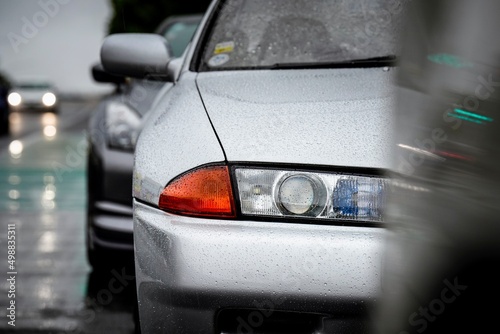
34	86
263	33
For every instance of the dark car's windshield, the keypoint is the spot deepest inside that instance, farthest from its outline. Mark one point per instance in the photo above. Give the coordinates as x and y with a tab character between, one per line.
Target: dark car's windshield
263	33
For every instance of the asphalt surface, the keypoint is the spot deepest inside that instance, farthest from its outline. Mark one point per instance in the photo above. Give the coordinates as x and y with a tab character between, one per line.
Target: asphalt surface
47	285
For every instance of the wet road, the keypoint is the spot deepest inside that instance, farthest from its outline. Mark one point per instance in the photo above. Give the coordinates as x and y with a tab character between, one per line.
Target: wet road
47	283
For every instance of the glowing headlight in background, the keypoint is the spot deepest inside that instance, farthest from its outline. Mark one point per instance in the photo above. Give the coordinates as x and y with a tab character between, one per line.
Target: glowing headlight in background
48	99
14	99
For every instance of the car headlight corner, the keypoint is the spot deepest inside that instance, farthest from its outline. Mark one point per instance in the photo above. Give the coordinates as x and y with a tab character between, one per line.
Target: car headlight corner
122	126
202	192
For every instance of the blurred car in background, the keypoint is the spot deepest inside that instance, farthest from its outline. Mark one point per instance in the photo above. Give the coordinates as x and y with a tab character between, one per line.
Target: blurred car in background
33	94
443	247
112	132
4	105
259	177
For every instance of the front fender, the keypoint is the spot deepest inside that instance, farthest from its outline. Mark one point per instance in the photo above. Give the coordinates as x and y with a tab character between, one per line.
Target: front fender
177	137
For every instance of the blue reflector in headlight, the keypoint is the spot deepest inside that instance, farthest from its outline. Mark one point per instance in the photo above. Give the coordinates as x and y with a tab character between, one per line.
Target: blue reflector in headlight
345	199
358	198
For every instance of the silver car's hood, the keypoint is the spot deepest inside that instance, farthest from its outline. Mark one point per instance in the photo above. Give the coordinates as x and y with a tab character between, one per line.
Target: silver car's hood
340	117
32	96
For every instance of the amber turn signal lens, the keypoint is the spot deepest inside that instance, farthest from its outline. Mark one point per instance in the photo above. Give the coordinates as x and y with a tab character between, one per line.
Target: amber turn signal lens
204	192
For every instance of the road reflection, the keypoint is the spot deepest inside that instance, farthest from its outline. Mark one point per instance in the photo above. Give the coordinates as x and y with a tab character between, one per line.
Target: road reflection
49	123
43	193
110	301
15	121
16	148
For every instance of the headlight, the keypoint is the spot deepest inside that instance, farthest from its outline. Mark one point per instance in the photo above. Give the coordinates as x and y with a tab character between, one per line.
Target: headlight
14	99
207	192
278	193
123	126
49	99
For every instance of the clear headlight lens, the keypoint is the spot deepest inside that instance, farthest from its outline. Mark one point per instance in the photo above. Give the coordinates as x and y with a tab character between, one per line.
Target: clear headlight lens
123	126
49	99
14	99
300	194
268	192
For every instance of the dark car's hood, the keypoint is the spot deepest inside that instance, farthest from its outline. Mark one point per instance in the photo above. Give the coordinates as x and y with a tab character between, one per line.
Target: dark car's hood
339	117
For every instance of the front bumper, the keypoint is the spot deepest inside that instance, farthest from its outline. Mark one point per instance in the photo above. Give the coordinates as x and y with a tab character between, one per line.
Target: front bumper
109	177
190	271
111	227
38	105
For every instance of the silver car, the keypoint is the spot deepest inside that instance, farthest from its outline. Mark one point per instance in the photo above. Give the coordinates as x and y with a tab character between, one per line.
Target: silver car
259	178
35	93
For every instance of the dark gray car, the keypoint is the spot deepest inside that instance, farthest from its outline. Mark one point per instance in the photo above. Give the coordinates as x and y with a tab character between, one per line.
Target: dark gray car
112	132
4	105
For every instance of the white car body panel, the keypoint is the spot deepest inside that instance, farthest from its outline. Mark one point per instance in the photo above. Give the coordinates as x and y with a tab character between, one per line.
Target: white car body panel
191	141
335	117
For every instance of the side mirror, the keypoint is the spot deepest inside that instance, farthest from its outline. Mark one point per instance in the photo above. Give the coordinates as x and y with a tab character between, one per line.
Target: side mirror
143	56
100	75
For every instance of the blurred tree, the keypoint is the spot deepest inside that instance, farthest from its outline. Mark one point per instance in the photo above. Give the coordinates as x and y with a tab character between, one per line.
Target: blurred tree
4	81
145	16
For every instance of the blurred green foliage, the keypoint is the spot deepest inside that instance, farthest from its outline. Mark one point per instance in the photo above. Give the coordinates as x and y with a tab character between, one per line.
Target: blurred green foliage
4	81
145	16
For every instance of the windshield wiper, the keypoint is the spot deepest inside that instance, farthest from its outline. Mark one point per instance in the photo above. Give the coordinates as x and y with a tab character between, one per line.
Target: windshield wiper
389	60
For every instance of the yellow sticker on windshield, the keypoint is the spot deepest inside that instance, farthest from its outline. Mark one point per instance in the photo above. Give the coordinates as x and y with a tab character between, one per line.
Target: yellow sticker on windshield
224	47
